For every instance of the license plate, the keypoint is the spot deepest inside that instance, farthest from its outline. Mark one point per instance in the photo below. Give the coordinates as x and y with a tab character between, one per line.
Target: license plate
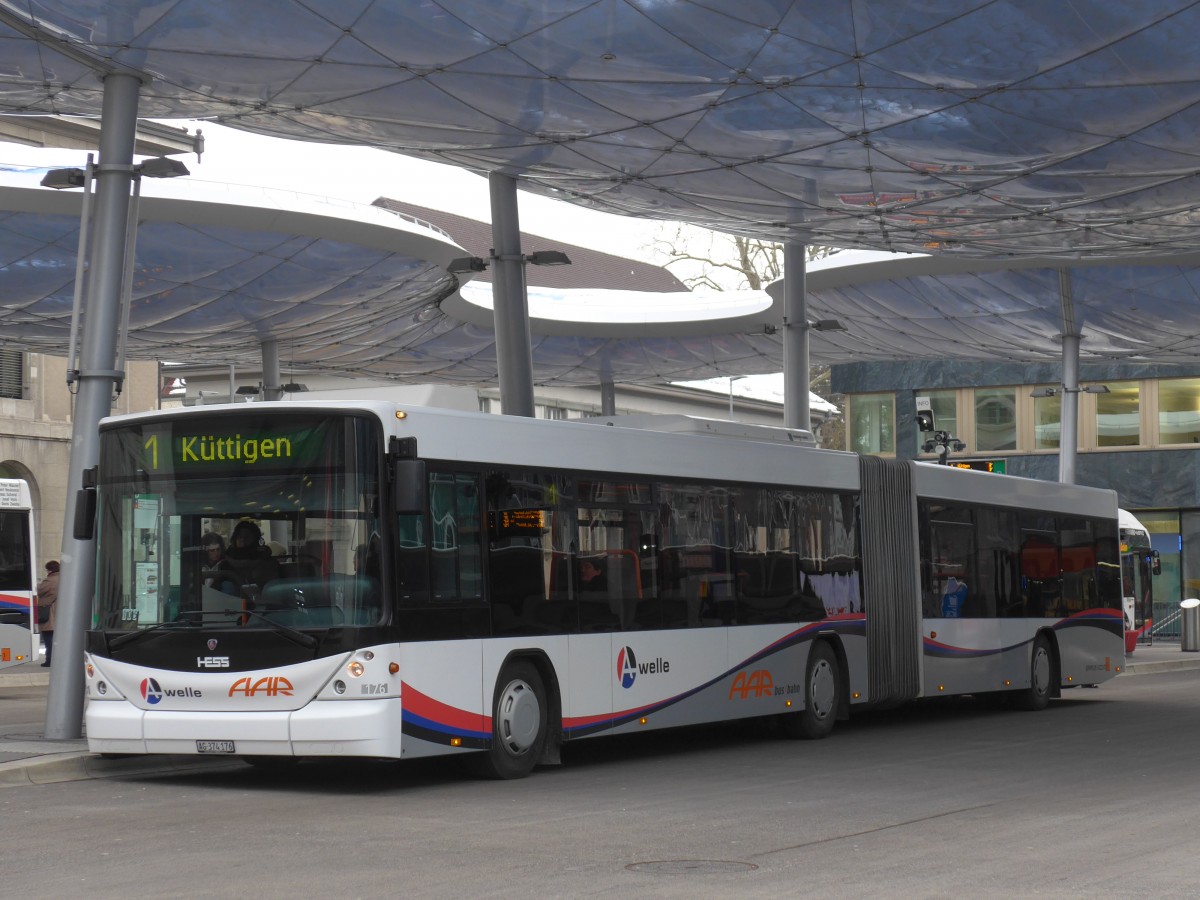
214	747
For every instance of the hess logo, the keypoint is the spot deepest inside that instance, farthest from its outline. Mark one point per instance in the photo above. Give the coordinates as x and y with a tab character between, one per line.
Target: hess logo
269	686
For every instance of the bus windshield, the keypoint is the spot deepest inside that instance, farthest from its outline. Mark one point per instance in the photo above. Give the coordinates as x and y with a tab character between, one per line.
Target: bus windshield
260	519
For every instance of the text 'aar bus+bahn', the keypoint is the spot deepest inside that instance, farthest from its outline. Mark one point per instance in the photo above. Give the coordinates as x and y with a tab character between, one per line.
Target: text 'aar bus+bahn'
300	580
18	582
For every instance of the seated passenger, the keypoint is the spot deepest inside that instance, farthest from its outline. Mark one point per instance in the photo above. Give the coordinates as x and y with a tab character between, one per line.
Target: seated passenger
250	557
591	576
216	571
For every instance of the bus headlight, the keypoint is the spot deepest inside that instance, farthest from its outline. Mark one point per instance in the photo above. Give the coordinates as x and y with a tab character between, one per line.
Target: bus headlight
355	668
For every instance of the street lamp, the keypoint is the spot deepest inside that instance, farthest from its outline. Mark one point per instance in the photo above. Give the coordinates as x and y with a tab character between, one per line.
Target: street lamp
464	264
60	179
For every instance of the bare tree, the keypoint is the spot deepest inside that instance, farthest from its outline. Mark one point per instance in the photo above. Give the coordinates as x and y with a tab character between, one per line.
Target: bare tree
833	430
710	259
722	262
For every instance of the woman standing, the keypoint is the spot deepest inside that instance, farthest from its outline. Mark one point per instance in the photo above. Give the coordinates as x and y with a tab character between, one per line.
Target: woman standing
47	592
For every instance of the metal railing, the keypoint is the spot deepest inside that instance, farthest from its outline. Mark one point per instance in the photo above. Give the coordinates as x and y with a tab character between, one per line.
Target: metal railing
1167	621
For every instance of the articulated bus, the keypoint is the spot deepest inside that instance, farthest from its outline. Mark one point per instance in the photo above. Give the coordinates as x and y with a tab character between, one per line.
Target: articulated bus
279	581
18	637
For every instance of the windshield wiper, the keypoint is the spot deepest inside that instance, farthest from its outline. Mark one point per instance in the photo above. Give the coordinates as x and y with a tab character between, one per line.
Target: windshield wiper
293	634
123	639
304	640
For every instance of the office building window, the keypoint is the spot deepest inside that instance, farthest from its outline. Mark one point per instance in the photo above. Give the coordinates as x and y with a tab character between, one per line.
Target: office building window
995	419
873	423
1179	411
1047	422
12	374
1118	415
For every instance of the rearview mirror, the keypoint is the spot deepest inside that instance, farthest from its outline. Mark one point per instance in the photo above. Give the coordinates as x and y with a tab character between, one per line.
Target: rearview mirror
409	486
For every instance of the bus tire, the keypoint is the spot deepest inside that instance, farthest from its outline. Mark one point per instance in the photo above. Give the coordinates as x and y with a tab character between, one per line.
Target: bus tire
519	722
822	695
1041	677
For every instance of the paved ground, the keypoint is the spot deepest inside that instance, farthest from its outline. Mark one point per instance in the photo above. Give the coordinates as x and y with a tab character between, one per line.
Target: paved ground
26	757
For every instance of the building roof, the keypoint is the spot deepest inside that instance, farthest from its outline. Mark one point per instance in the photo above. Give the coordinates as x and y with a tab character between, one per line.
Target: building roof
589	268
988	129
342	288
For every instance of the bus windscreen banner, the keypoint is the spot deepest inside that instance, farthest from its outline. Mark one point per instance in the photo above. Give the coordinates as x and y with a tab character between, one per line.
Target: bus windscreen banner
233	445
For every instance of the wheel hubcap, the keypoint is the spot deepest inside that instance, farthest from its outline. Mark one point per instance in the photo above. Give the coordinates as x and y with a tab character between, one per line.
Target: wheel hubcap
520	717
822	689
1041	670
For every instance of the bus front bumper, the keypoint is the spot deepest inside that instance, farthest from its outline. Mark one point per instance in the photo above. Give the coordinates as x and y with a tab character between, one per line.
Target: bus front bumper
322	728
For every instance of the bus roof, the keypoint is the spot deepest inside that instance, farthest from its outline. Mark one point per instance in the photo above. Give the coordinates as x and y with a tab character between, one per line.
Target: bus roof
698	450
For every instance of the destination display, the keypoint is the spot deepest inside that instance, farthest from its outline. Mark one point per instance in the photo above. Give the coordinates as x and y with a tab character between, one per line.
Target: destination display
998	466
517	522
235	445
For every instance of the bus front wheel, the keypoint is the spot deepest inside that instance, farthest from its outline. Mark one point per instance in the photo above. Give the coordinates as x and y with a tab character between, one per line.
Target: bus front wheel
822	694
519	723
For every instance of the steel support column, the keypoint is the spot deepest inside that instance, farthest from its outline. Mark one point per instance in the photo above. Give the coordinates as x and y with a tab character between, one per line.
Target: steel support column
796	378
1068	436
272	380
96	378
608	398
510	304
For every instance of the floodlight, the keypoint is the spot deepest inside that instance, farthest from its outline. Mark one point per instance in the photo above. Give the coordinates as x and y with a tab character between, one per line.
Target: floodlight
1044	392
466	264
827	325
293	388
162	167
548	258
63	178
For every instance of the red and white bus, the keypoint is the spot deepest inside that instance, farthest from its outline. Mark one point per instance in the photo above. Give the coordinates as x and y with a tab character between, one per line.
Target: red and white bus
306	579
18	583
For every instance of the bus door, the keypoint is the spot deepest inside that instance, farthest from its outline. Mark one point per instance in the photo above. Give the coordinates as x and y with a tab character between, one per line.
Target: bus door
18	639
1139	565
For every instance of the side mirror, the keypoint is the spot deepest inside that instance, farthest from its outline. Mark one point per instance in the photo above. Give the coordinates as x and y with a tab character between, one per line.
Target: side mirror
1155	562
84	527
409	486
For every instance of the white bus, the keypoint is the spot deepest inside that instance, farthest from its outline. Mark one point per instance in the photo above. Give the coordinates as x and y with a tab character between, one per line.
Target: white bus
18	582
1139	564
409	583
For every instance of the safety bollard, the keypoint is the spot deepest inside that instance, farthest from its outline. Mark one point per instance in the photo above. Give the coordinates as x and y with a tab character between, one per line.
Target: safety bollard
1189	633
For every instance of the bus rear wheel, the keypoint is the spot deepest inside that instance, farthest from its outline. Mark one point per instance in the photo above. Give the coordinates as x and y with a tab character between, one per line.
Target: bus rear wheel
822	696
519	723
1041	675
